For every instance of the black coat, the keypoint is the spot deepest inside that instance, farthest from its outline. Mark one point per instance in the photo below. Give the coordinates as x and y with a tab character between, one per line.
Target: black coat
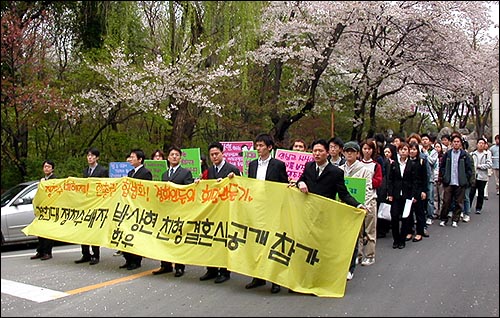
226	169
276	170
99	172
330	183
405	187
143	173
180	176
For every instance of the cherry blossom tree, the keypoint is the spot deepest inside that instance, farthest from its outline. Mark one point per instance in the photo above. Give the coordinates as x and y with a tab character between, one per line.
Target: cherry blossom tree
378	48
128	90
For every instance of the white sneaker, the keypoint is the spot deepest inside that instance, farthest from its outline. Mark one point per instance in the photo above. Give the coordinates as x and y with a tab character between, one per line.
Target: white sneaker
349	275
450	214
462	215
368	261
442	223
466	219
428	222
454	224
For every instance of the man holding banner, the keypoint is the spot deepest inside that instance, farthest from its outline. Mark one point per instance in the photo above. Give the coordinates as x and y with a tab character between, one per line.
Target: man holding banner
177	175
136	158
271	169
95	170
323	178
219	170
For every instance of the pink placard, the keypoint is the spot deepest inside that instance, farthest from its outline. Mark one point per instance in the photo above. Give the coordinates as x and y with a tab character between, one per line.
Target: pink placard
233	151
295	161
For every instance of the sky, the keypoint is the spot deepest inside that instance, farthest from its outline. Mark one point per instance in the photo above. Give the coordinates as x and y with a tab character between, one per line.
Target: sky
494	17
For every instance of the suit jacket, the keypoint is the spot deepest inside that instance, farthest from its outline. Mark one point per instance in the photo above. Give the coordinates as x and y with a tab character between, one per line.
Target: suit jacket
407	185
276	170
143	173
180	176
330	183
226	169
99	172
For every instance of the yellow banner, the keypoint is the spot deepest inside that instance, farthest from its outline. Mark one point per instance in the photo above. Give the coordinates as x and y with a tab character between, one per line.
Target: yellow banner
257	228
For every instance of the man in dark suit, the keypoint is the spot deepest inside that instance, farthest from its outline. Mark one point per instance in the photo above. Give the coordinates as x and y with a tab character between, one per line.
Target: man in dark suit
136	159
177	175
323	178
270	169
44	249
219	170
94	170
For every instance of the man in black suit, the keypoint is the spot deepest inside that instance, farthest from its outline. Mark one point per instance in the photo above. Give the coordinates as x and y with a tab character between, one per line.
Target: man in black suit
44	249
323	178
94	170
177	175
271	169
219	170
136	159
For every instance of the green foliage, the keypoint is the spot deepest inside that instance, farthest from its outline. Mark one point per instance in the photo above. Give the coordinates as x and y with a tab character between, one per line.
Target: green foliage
123	26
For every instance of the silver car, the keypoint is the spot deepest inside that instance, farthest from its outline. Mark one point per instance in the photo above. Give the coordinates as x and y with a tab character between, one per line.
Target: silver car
17	213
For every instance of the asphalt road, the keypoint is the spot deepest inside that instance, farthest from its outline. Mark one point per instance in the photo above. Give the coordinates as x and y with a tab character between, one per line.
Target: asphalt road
455	272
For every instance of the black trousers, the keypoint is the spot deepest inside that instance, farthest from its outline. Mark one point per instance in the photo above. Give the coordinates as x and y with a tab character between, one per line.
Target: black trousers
95	251
220	271
169	265
45	245
132	258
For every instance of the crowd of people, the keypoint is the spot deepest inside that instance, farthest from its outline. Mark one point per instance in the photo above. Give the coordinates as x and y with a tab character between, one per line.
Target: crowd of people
421	178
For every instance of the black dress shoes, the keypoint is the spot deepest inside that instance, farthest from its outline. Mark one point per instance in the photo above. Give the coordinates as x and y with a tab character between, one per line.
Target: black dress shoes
84	259
221	278
275	289
124	265
179	272
256	282
395	245
46	257
133	266
401	245
163	270
94	260
208	275
37	255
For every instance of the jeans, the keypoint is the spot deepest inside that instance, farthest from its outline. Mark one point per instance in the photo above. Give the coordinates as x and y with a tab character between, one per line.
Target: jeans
467	201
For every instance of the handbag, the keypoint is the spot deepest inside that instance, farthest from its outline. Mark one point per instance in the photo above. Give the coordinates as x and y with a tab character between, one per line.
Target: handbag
384	211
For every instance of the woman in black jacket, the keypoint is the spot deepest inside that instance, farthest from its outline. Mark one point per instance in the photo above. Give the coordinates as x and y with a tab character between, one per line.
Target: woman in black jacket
401	186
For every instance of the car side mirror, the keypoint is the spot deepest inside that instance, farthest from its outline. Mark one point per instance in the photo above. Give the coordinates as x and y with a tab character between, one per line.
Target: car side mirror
22	201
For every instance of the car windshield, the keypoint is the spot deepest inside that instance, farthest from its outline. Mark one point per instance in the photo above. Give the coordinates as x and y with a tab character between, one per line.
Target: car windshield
8	195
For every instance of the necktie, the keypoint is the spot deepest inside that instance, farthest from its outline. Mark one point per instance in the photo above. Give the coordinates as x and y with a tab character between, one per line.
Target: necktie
90	171
317	172
171	172
216	170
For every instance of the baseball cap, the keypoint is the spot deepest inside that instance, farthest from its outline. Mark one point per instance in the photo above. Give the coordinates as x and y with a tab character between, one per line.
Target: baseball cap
351	145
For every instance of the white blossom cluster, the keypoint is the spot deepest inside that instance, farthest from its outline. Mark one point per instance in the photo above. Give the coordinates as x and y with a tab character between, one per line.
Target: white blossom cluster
156	87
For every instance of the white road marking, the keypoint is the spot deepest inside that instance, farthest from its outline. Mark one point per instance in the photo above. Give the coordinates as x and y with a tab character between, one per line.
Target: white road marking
33	293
